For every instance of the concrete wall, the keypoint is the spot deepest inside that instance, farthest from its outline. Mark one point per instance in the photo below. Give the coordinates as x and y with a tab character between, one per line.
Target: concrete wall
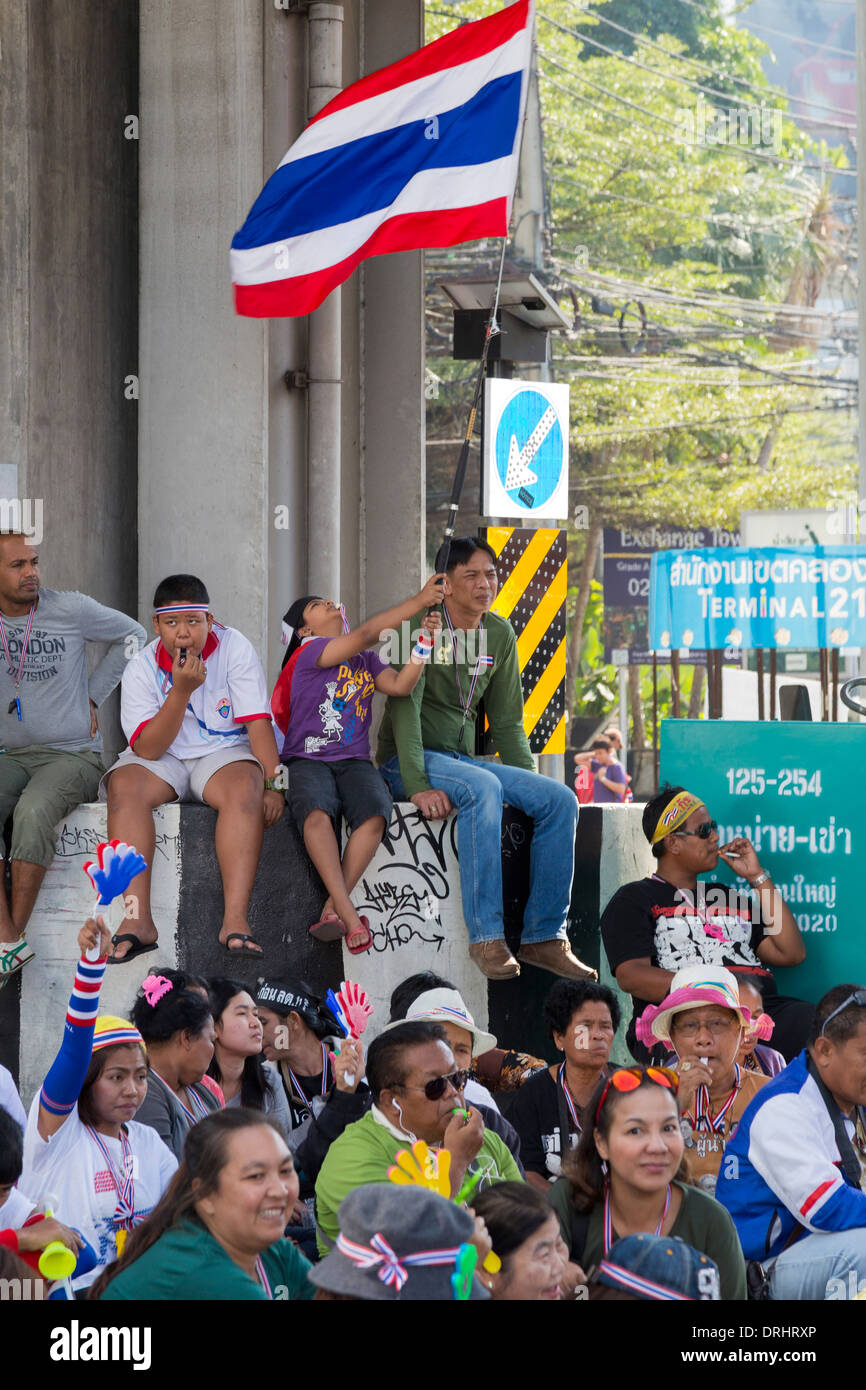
69	249
203	450
410	893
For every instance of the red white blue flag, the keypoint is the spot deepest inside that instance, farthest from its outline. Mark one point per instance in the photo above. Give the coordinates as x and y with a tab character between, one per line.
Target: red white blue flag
421	153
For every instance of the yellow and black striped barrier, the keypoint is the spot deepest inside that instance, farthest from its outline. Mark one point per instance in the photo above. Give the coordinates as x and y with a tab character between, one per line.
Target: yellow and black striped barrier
532	592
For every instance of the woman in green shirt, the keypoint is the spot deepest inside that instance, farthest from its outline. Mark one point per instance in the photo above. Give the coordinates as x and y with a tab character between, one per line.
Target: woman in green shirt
628	1176
218	1231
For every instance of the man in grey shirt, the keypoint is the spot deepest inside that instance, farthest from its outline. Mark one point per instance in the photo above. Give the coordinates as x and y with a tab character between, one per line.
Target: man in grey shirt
50	745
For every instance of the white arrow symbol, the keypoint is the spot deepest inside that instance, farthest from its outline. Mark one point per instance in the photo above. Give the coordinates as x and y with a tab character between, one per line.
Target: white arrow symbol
518	473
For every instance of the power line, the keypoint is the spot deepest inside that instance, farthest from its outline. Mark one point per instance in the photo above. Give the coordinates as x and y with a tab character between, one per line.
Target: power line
747	152
749	26
677	57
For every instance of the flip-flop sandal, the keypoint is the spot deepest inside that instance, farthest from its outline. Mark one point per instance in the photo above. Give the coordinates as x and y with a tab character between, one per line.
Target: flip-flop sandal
243	949
329	929
366	938
138	948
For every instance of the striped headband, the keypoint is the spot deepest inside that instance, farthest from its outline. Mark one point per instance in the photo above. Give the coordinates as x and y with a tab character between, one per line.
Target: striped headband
113	1032
182	608
390	1267
636	1283
678	809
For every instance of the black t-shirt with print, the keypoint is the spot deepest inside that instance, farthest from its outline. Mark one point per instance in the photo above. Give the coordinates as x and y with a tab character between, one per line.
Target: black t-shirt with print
538	1113
651	918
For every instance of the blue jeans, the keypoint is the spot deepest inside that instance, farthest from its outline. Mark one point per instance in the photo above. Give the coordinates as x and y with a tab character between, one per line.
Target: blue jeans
823	1265
478	790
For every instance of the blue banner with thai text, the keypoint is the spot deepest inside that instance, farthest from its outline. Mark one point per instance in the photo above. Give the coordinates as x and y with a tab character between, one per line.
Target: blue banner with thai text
793	596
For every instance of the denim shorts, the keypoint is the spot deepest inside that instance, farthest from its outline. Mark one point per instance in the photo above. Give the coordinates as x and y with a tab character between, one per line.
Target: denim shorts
351	787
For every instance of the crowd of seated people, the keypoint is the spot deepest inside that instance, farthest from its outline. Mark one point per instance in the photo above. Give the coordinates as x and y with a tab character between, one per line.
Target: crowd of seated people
229	1142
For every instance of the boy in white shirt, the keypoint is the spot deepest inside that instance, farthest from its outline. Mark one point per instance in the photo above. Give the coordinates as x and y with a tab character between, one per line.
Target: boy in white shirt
194	707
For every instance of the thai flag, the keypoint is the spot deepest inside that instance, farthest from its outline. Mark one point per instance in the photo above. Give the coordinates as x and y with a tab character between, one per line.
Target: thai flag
422	153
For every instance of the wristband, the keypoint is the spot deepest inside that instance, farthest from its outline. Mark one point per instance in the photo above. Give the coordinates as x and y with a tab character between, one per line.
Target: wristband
422	650
277	782
762	878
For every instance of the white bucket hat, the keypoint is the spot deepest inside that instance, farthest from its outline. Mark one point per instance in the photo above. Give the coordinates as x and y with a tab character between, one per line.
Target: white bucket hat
447	1006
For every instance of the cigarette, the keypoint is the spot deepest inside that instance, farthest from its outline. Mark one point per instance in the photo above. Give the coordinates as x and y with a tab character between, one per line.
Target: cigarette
704	1061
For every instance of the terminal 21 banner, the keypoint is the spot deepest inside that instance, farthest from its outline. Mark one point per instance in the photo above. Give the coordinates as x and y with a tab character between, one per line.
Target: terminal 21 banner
797	596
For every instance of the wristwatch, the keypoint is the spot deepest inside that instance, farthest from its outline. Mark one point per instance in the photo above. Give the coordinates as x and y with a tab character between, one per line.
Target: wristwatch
277	783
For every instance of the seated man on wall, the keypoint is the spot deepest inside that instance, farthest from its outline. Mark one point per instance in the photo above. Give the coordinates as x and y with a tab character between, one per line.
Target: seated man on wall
425	752
417	1094
794	1174
51	754
658	925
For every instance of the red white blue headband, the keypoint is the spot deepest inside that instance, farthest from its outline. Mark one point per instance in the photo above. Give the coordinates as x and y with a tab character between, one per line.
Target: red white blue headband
182	608
390	1267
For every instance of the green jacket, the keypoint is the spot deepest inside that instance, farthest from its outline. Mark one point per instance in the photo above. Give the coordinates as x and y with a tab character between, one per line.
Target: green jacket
366	1150
187	1262
432	716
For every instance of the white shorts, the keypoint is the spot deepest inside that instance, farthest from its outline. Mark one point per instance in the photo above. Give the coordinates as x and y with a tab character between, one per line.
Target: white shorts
188	776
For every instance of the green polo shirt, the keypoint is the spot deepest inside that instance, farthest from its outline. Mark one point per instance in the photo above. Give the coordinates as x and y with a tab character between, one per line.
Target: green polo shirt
366	1150
187	1262
432	716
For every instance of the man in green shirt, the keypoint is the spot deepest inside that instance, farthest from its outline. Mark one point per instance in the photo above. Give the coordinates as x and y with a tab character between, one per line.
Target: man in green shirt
425	754
417	1094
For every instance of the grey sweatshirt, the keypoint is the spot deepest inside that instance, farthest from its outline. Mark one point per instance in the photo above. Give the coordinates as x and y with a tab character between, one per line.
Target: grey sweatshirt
55	687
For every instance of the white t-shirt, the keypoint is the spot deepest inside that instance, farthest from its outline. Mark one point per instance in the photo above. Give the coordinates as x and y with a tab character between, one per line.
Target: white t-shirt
235	690
15	1210
70	1169
10	1099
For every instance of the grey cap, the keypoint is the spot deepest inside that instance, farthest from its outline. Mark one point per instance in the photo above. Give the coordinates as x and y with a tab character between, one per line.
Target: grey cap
408	1221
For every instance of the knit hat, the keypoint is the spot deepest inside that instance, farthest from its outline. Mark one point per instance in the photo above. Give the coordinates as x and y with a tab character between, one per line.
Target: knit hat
396	1243
694	987
659	1267
446	1006
285	997
111	1031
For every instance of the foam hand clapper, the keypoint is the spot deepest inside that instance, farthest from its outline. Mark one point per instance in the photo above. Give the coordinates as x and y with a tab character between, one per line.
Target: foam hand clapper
355	1007
423	1168
118	865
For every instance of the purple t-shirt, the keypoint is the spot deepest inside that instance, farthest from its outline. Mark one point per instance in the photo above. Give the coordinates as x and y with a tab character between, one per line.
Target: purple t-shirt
329	714
614	772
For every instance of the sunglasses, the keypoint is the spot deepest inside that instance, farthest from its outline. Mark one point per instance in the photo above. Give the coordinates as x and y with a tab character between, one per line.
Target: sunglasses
703	832
435	1089
858	998
631	1078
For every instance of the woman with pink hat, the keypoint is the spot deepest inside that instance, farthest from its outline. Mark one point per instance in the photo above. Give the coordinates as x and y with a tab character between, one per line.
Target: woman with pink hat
704	1023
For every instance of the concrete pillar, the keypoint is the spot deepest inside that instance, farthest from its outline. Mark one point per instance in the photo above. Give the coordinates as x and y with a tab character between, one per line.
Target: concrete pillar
393	502
69	248
325	345
204	452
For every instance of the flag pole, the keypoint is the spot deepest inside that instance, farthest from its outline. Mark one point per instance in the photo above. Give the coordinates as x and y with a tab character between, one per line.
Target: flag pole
444	550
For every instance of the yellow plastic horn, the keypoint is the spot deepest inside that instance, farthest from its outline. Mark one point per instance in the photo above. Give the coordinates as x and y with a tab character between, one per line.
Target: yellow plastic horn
57	1261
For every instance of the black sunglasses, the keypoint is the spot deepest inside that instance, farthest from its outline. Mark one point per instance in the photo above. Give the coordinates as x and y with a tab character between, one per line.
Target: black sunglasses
435	1089
703	832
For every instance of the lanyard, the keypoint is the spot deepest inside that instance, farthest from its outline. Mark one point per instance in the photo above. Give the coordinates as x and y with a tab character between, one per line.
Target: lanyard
608	1223
125	1188
465	701
262	1277
704	1118
16	703
325	1079
196	1099
572	1108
